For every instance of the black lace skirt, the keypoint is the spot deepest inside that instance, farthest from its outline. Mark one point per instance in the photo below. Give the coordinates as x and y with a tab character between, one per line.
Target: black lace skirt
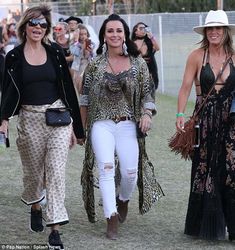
211	205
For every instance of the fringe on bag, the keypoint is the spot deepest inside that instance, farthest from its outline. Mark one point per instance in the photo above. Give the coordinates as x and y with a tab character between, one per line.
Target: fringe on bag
183	142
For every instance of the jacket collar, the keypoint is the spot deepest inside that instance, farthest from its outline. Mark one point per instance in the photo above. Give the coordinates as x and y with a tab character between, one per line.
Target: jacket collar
51	48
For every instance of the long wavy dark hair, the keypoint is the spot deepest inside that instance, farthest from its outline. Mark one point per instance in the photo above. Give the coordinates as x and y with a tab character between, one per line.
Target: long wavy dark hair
146	38
131	46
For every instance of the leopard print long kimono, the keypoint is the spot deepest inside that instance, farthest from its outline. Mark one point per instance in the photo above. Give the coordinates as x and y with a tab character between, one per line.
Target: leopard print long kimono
149	189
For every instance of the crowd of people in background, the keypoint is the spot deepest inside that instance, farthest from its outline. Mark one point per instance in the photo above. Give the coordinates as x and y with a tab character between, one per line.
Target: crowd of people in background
8	39
8	36
79	45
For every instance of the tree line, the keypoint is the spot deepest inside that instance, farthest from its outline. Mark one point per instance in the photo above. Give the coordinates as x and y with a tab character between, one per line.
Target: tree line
159	6
103	7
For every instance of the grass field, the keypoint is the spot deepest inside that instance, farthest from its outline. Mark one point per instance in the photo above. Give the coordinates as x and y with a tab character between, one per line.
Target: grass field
161	228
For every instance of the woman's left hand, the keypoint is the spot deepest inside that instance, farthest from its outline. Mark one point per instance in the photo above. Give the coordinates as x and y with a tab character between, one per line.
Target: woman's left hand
74	141
145	123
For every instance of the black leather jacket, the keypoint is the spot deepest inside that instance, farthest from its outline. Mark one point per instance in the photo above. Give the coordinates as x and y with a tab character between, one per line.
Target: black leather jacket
12	85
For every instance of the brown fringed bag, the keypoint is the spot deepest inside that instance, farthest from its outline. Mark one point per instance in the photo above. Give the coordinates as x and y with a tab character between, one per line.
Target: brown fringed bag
184	142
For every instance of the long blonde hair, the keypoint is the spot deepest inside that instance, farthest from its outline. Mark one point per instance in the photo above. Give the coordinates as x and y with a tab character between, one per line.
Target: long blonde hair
226	43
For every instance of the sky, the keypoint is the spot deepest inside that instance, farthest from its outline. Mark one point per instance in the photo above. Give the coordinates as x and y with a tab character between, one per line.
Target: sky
6	5
10	4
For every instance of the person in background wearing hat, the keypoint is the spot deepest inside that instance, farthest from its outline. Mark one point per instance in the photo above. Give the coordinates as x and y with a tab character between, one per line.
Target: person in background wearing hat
211	205
73	22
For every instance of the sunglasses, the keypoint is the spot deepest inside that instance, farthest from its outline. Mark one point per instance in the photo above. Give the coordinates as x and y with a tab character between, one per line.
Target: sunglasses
57	29
34	22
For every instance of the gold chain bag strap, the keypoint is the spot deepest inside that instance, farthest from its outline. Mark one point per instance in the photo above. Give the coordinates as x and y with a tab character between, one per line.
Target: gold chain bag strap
184	142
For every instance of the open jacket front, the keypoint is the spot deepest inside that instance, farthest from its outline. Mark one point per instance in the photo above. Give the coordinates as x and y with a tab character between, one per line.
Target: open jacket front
12	85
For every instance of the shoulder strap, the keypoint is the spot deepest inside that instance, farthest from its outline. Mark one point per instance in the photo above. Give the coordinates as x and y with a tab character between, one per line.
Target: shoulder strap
211	89
205	57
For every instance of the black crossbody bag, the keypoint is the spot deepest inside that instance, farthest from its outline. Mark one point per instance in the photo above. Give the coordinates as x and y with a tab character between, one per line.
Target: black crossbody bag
57	117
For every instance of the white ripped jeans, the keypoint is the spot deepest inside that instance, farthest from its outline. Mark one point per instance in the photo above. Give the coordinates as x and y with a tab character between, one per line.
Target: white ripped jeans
108	138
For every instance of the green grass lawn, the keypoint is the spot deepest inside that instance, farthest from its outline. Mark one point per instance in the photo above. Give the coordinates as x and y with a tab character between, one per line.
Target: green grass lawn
161	228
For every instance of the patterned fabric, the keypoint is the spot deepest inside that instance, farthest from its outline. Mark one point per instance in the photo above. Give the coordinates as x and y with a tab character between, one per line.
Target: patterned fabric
139	97
137	91
212	197
115	91
43	151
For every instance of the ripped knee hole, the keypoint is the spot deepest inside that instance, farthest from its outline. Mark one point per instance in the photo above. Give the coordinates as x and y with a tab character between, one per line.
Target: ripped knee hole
108	166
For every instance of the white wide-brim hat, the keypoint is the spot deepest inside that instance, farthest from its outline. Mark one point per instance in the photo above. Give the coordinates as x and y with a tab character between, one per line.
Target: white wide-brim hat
215	18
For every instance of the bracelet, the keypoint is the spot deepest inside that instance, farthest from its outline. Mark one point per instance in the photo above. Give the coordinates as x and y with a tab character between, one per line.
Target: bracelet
179	114
147	113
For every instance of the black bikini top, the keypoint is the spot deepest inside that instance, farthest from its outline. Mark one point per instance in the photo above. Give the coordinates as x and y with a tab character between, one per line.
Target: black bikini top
207	76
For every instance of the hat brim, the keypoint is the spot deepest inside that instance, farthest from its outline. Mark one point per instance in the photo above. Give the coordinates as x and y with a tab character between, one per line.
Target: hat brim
72	18
200	29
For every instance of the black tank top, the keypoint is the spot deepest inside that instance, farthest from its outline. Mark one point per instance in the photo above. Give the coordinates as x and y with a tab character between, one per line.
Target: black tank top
39	83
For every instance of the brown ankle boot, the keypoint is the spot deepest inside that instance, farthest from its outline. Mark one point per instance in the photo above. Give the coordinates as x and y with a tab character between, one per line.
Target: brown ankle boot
122	210
112	227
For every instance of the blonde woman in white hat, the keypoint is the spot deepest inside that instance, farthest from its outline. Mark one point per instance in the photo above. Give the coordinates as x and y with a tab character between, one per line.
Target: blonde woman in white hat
211	208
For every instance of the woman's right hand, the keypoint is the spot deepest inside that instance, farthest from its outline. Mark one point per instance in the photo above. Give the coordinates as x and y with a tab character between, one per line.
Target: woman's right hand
4	127
180	123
